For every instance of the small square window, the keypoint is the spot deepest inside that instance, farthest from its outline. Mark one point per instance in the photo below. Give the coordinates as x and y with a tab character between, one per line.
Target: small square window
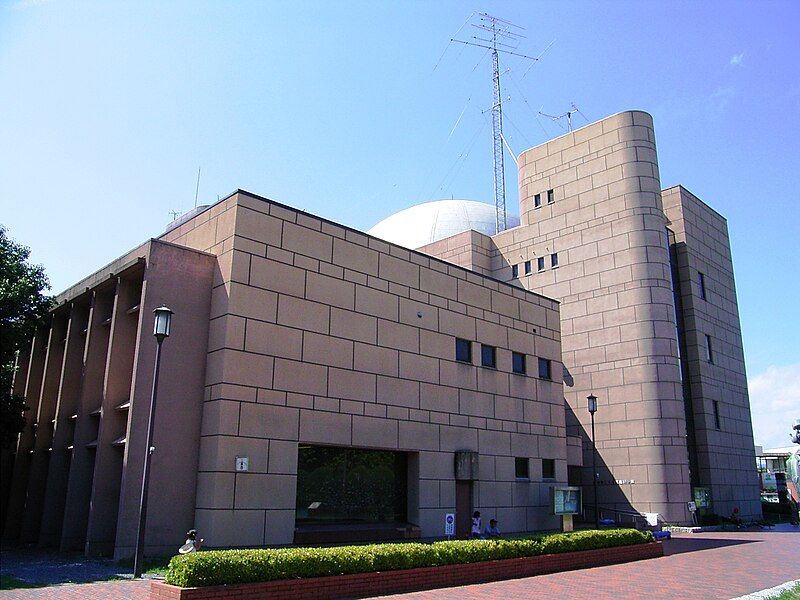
702	282
463	350
551	197
540	263
537	201
527	267
545	372
554	260
521	468
548	468
488	356
709	350
518	363
514	271
717	423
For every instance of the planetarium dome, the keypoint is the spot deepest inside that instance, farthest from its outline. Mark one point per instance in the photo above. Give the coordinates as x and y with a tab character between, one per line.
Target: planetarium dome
426	223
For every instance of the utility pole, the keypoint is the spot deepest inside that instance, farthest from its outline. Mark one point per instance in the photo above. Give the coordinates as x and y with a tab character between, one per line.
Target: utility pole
503	37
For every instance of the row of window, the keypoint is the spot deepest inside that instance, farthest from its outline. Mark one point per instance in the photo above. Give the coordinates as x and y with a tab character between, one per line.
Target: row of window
537	199
489	359
522	468
540	266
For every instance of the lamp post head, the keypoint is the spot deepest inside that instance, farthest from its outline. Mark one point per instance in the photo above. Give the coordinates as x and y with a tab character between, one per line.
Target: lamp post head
162	322
592	403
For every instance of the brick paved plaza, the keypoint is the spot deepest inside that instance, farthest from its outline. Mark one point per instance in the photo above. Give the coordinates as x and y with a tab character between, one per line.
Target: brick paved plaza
708	566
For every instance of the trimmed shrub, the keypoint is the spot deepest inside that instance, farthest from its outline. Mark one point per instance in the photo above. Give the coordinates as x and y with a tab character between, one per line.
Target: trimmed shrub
219	567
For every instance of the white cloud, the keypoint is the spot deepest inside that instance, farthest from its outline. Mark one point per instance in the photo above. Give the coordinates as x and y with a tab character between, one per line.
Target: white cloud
775	404
736	59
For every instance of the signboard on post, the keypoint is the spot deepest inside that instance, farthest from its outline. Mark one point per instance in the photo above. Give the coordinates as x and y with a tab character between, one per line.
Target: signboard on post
449	524
691	506
566	500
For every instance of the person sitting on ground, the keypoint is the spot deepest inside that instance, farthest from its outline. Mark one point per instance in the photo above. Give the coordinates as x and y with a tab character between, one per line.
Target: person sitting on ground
491	530
475	532
192	543
736	520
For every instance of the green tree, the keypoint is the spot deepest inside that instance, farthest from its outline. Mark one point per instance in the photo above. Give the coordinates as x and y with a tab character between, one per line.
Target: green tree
22	303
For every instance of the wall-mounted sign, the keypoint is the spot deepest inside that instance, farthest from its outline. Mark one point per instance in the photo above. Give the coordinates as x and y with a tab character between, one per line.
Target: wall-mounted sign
449	524
691	506
565	500
242	463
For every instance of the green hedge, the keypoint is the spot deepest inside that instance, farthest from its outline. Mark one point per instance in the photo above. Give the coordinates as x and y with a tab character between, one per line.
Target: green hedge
218	567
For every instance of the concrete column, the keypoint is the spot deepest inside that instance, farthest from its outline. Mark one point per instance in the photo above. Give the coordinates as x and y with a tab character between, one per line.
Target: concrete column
19	481
79	486
63	434
101	531
42	448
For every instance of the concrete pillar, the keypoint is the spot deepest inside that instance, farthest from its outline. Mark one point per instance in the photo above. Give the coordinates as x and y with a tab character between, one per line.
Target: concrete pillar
42	447
102	526
63	434
79	486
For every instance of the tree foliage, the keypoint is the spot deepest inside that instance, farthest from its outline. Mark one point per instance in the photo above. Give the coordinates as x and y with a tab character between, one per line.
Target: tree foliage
22	303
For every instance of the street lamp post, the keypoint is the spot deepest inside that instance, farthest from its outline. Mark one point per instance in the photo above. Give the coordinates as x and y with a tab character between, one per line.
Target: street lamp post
593	409
163	319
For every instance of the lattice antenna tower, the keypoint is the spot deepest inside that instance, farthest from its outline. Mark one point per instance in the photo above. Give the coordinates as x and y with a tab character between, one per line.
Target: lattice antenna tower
500	36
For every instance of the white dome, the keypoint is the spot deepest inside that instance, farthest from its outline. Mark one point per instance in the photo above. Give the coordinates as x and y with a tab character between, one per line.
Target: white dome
431	221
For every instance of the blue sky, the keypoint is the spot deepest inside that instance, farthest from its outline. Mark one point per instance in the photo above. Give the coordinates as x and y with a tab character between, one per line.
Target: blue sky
107	109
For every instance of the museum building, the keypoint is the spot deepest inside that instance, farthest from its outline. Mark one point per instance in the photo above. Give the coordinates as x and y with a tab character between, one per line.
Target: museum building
322	384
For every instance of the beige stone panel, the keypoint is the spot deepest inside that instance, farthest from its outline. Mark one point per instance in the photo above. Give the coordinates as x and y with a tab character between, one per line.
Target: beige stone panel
202	237
627	429
324	349
275	340
435	344
258	226
505	304
252	302
354	326
227	448
215	490
452	439
283	457
257	490
220	417
645	455
279	526
398	392
491	334
474	295
397	335
533	313
493	381
355	257
377	303
226	332
418	436
421	368
307	242
458	325
522	386
438	398
352	385
268	421
398	270
419	314
369	432
231	528
328	290
241	368
325	428
303	314
375	359
478	404
305	378
279	277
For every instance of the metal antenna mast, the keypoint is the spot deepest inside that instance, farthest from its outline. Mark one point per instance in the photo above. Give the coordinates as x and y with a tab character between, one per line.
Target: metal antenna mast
498	29
568	114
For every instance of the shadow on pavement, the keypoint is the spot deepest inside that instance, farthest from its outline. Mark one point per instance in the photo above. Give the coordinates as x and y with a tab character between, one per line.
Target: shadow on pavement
684	544
36	566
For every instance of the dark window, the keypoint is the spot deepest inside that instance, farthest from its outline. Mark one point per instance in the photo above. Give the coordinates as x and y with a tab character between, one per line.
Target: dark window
463	350
540	263
554	260
514	271
521	470
350	485
709	351
518	363
548	468
551	197
537	201
488	356
716	415
702	282
544	368
527	267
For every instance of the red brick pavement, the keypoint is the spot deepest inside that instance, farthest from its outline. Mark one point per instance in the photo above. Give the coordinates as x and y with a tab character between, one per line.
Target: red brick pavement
106	590
704	566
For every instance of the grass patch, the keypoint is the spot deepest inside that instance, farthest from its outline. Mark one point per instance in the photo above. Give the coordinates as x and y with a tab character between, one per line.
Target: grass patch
7	582
219	567
790	594
156	565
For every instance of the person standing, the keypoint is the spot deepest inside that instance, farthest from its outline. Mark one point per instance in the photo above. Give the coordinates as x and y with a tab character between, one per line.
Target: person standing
476	531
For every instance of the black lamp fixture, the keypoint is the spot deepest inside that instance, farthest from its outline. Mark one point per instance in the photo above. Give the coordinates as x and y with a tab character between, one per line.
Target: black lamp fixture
161	328
592	405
